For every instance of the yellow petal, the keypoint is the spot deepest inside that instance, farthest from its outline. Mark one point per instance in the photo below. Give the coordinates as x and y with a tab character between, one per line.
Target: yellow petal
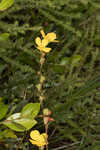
38	143
55	41
37	138
43	34
46	49
44	42
44	135
51	36
39	48
35	135
38	41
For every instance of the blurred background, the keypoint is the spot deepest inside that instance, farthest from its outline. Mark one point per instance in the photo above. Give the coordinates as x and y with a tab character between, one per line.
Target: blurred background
72	70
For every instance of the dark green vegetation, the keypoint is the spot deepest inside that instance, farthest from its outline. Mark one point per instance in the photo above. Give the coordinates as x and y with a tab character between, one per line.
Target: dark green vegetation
72	70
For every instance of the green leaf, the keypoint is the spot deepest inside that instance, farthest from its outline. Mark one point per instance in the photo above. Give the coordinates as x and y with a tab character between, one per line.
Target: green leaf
96	146
2	67
3	110
18	123
31	110
97	42
71	137
26	123
11	122
76	126
71	60
85	2
76	94
75	59
4	36
7	133
88	87
14	127
65	61
58	68
23	121
5	4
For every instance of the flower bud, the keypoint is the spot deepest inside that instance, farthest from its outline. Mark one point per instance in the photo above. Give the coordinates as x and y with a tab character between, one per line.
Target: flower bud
47	112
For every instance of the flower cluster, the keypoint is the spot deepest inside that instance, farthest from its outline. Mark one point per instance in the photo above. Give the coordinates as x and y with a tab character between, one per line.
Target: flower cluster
42	44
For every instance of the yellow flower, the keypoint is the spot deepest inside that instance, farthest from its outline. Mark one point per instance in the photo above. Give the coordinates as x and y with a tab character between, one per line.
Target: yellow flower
38	139
41	45
50	37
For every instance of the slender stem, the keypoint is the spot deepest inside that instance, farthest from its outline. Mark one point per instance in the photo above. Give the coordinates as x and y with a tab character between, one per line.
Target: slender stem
41	93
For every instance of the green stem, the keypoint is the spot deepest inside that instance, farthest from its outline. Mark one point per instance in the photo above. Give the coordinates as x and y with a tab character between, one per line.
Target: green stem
42	95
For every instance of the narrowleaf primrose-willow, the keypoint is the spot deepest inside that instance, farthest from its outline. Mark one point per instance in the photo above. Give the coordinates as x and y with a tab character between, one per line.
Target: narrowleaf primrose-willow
41	44
41	140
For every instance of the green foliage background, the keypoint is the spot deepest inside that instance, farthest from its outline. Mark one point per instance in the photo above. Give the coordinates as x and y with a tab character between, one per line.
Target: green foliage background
72	69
